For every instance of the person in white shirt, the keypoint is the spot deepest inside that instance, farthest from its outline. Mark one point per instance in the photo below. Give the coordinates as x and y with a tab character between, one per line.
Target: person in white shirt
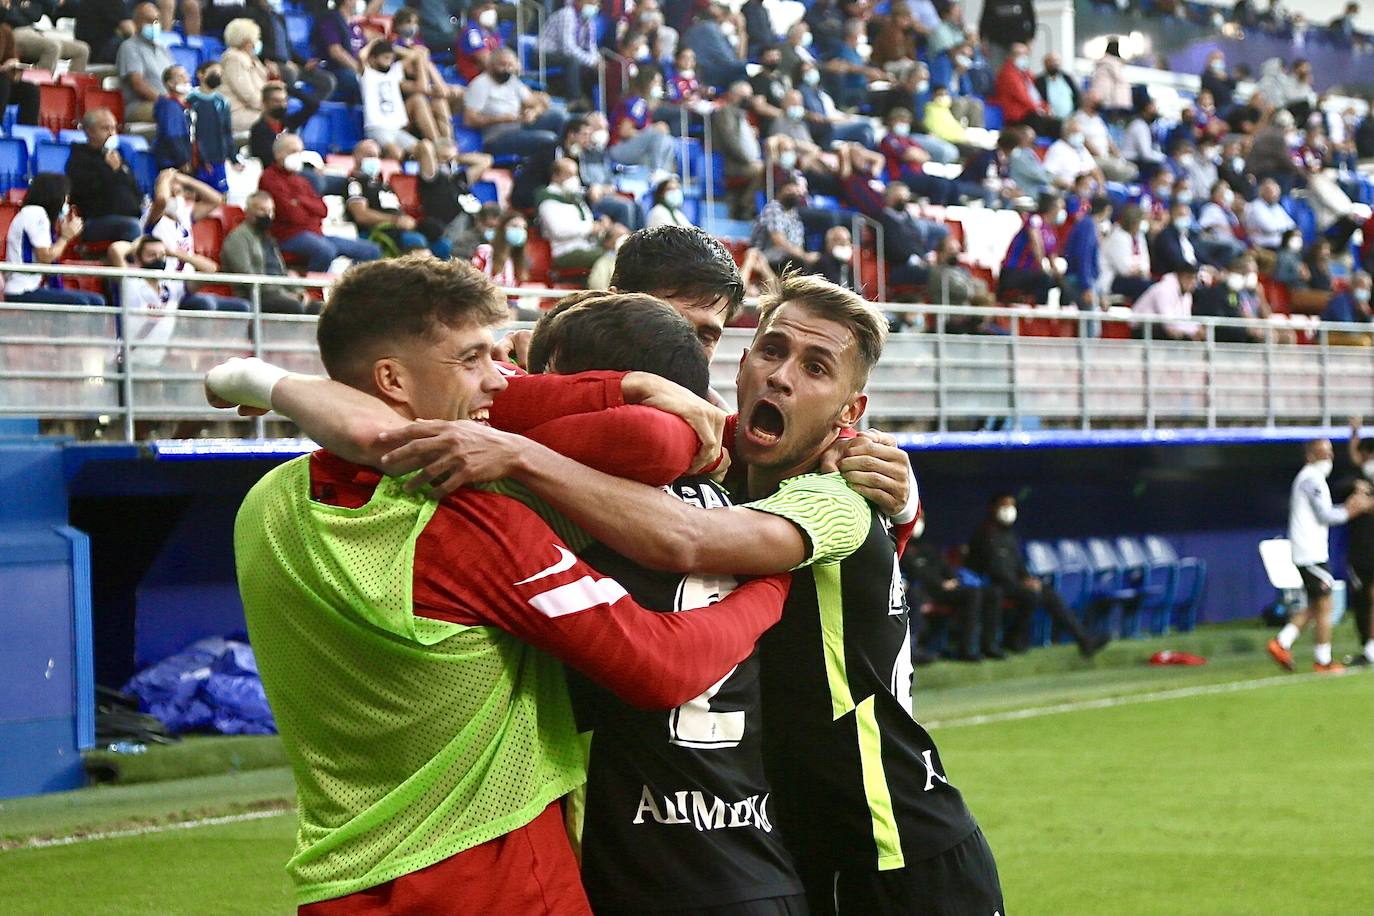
1170	297
1099	140
1220	227
667	208
152	303
1310	516
1138	144
39	234
513	118
1265	219
1069	157
1124	258
577	240
386	111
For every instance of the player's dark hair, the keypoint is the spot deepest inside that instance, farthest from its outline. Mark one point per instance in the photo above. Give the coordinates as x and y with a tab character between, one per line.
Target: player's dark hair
376	302
620	332
833	303
679	262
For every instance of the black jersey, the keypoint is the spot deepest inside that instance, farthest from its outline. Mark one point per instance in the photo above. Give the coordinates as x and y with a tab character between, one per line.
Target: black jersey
678	811
859	783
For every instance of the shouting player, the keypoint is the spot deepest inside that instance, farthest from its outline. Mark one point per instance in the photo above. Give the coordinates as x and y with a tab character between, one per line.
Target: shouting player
402	642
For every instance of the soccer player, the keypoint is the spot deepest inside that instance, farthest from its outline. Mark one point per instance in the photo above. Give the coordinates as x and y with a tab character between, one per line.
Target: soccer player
1310	516
1360	549
409	647
862	797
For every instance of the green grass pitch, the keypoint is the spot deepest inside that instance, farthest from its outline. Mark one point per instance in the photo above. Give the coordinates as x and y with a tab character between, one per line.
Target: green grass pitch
1186	798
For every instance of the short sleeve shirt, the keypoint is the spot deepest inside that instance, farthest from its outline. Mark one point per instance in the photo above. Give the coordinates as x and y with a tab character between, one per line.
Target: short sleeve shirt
833	517
634	109
30	229
491	98
137	55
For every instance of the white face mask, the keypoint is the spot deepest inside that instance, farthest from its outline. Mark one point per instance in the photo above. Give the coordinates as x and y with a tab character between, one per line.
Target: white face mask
689	74
1324	467
901	129
1294	244
111	143
1368	468
1235	282
600	138
183	88
572	185
1007	515
843	252
293	162
1252	281
919	528
487	20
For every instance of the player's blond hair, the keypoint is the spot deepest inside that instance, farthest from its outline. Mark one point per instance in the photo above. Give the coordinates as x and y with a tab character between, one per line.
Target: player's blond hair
833	303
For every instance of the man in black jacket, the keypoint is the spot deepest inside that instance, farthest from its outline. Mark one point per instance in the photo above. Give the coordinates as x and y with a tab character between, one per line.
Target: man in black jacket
975	613
104	190
994	553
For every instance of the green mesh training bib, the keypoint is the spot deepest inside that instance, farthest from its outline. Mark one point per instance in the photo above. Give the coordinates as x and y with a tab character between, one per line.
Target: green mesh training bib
411	739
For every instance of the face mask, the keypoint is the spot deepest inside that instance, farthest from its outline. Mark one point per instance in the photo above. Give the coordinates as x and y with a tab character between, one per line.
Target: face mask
1183	197
687	74
1022	63
1238	164
811	77
589	12
64	212
600	137
572	185
155	265
1218	67
806	39
1235	282
1294	244
111	143
371	166
502	76
293	162
1324	467
408	31
1252	281
656	92
795	112
1368	468
516	236
277	113
1077	141
1361	295
182	88
1291	138
922	87
262	223
257	49
1007	515
1228	197
1060	218
842	252
963	61
489	233
487	19
918	529
673	197
641	55
1184	222
212	80
151	32
901	129
787	159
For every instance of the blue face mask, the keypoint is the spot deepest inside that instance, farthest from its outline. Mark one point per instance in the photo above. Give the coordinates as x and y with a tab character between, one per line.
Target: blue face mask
516	236
152	31
673	197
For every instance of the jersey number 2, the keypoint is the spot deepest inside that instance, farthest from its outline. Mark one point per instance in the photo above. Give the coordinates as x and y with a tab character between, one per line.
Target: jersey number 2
694	723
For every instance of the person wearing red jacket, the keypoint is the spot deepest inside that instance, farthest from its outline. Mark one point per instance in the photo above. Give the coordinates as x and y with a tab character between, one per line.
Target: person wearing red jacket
1015	93
298	226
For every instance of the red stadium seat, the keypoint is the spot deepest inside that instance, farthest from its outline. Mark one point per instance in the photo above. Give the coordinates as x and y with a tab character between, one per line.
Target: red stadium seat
538	256
85	284
407	188
207	236
16	195
57	106
231	216
35	75
80	81
93	98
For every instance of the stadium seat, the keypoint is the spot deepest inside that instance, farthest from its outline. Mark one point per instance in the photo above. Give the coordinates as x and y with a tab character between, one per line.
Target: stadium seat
207	235
315	134
80	81
92	98
51	157
345	126
144	169
71	136
407	189
186	56
14	163
7	213
230	216
1112	590
31	135
57	106
36	75
298	26
1188	586
467	140
1154	579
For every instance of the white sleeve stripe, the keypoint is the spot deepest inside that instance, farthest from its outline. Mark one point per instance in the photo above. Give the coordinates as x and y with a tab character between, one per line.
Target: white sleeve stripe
577	596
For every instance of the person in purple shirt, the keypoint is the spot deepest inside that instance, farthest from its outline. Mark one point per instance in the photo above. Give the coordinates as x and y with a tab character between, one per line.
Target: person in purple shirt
635	138
340	43
1029	266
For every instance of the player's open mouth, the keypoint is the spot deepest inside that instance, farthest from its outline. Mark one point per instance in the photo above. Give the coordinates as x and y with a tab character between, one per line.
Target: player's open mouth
766	424
480	415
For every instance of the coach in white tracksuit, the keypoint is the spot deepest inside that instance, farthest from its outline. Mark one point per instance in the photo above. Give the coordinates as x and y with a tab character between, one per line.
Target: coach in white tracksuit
1310	516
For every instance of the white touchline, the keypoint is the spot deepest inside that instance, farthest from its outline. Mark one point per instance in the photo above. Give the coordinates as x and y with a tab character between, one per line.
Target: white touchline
41	843
1036	712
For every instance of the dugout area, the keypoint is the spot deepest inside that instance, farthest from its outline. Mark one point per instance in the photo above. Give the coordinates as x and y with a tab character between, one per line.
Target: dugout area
113	556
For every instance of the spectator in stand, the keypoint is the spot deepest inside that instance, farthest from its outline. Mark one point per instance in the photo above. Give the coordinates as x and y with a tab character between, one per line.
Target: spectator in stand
513	118
950	283
13	89
1231	168
994	552
1030	265
949	33
443	98
569	40
244	74
907	239
445	189
636	138
391	103
377	212
171	147
1292	265
39	234
339	42
975	612
577	240
770	84
250	249
1109	83
1173	246
720	59
1171	297
907	153
300	211
275	119
483	229
1005	24
1219	241
1265	219
480	38
1139	145
791	123
895	38
303	76
828	125
584	140
503	258
103	187
779	233
1016	95
940	120
102	25
1082	254
179	201
213	141
41	44
1200	167
1068	158
1125	257
1304	99
1223	298
1027	171
168	291
1351	305
1099	140
848	73
662	38
1057	88
1217	80
737	141
796	50
439	21
965	103
1271	151
667	208
836	262
684	88
140	62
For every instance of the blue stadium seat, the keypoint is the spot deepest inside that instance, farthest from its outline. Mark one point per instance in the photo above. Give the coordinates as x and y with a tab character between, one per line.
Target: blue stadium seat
315	134
188	57
485	191
992	116
51	157
1113	590
11	117
1188	586
31	135
14	163
345	126
1155	581
210	46
467	139
144	168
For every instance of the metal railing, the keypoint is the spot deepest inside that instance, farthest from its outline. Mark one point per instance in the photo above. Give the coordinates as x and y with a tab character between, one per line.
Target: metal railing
1047	370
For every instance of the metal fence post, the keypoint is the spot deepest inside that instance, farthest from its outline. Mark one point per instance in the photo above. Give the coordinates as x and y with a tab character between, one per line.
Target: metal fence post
126	348
1269	413
1211	353
941	414
1324	362
1085	420
255	291
708	167
1015	365
1149	375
